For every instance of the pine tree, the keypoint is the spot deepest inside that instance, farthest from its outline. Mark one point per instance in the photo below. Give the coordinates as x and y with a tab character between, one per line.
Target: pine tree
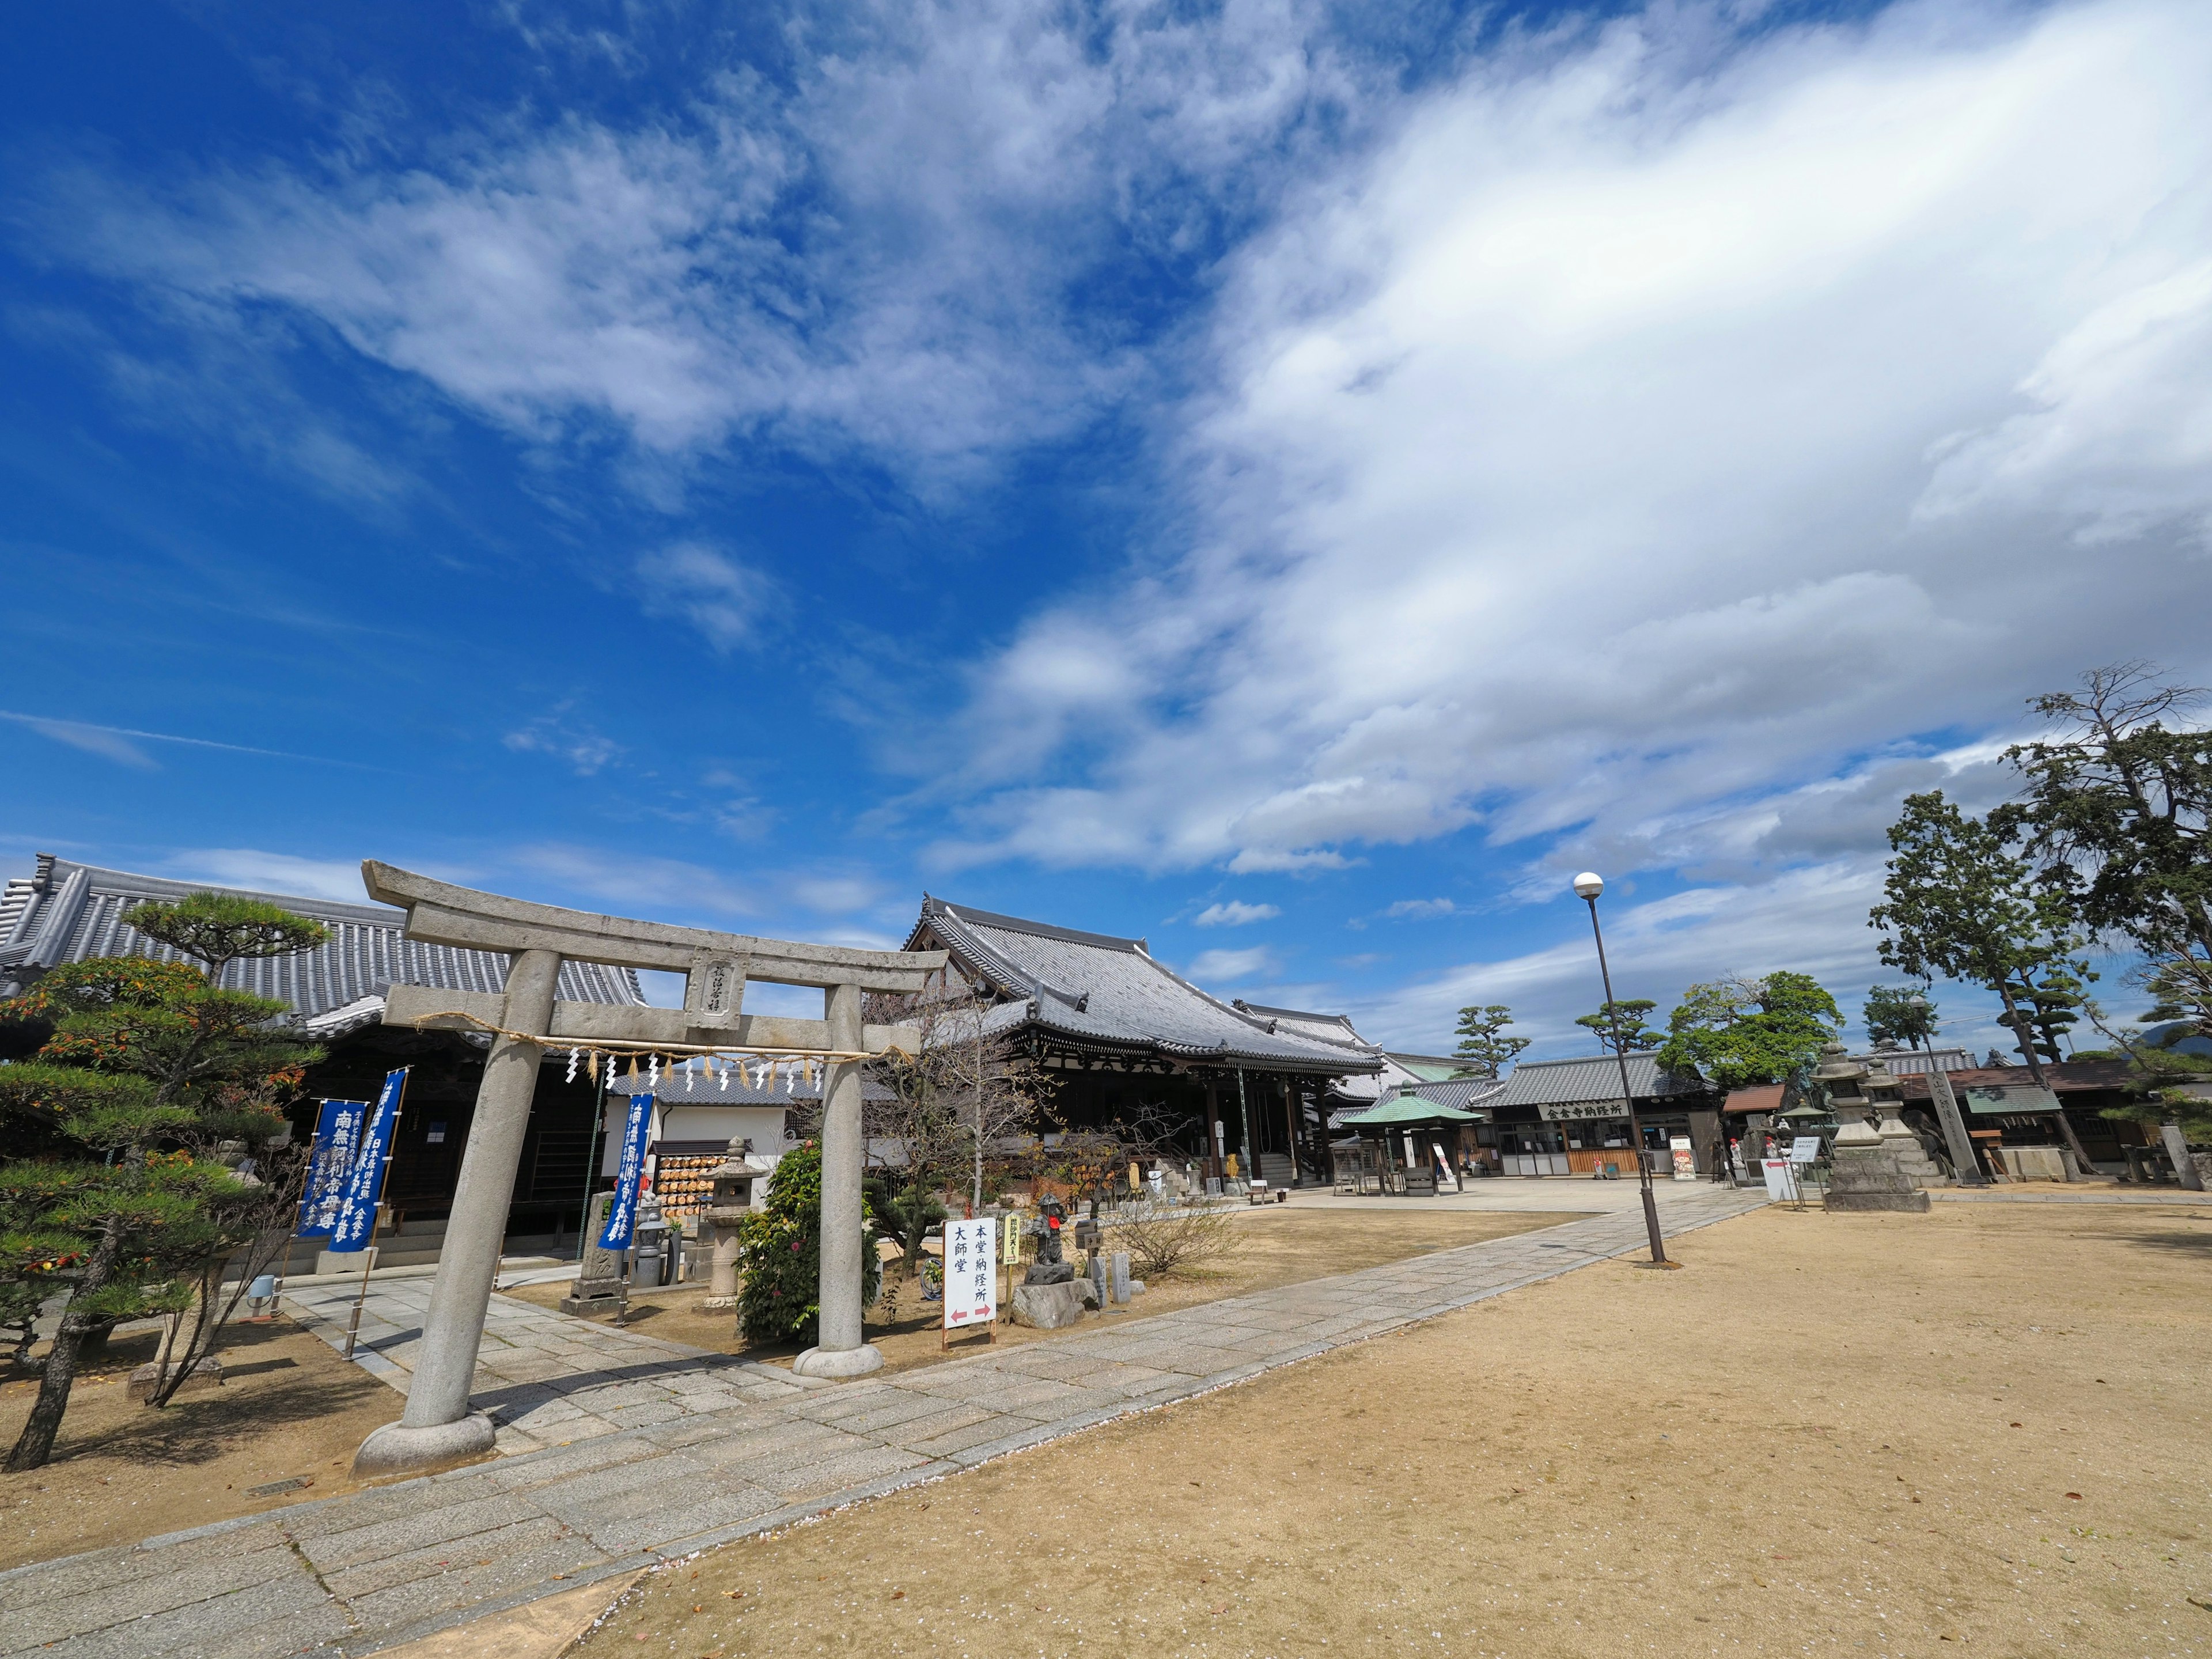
114	1194
1620	1025
1483	1042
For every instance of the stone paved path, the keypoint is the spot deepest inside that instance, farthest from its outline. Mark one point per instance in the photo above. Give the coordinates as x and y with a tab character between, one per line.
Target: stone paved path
349	1575
544	1378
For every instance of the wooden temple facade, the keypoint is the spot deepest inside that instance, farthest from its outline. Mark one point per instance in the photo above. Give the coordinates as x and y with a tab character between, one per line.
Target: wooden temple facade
1125	1039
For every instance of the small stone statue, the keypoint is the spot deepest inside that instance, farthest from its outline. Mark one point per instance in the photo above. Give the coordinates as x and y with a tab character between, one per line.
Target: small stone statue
1050	1267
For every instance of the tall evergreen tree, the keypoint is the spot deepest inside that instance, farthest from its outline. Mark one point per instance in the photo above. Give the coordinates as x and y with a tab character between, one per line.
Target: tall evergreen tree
1620	1025
1738	1032
2116	818
1482	1040
1899	1013
1958	902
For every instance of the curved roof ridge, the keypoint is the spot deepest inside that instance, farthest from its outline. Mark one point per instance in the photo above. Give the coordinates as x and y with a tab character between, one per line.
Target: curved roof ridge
1022	925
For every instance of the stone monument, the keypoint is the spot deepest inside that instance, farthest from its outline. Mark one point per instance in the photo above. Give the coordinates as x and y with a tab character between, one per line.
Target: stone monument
1051	1267
1863	1172
526	1018
599	1284
1048	1298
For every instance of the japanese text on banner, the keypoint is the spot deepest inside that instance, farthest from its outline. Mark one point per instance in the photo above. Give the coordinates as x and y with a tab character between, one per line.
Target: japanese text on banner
972	1273
355	1220
622	1214
337	1138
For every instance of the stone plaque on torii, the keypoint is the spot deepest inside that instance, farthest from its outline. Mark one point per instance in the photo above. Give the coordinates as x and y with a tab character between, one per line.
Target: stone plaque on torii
437	1428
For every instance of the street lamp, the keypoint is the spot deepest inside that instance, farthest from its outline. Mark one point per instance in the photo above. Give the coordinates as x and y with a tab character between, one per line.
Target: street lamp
1587	886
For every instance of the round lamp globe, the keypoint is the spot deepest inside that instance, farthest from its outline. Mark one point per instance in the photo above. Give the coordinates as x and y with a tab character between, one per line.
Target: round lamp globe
1588	884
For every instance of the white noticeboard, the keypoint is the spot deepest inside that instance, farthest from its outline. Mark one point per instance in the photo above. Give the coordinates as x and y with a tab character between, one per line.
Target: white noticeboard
1805	1149
1781	1179
972	1274
1686	1161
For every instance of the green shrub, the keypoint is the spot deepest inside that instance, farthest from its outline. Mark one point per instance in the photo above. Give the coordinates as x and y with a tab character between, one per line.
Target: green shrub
779	1254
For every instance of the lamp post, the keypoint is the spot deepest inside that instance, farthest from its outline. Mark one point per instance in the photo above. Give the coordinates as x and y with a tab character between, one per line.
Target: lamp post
1966	1167
1587	886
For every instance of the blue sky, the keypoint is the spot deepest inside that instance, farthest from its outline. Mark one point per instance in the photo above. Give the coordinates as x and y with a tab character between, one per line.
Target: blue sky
1291	482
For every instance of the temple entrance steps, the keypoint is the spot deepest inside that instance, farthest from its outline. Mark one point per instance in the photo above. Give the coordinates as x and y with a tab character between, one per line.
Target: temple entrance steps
1275	1169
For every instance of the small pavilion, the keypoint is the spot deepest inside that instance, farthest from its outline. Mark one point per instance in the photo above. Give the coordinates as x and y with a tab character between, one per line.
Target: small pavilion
1407	1123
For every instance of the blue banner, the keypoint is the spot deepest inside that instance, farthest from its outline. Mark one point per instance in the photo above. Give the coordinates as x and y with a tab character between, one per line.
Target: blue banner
338	1137
355	1222
622	1214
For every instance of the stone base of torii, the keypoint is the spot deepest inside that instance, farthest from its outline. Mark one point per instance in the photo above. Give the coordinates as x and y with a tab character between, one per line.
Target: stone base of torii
437	1429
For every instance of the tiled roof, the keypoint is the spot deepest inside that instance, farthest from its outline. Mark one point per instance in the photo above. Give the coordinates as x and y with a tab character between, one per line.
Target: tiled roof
1461	1093
1565	1082
66	912
1096	991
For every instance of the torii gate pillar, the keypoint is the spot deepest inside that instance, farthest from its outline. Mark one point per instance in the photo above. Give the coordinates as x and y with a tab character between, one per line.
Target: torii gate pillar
437	1429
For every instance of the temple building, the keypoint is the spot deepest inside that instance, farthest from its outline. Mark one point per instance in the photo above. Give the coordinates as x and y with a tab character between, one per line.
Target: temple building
1122	1036
65	912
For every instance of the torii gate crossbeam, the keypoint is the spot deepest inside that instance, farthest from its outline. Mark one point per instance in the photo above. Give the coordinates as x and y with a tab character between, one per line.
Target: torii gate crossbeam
437	1428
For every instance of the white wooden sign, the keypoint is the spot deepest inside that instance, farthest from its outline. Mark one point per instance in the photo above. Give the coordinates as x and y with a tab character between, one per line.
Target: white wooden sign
1781	1179
972	1274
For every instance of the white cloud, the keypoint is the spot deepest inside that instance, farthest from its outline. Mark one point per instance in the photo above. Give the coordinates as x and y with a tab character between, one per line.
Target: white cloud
836	895
654	887
586	751
1422	909
1586	459
1234	913
1231	967
883	247
730	603
270	872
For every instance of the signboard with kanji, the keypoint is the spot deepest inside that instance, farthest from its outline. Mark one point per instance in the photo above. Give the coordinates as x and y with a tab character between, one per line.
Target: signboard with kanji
972	1274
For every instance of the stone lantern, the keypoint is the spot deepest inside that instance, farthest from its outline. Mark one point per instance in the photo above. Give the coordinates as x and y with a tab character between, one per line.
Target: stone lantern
1863	1171
727	1205
1888	1096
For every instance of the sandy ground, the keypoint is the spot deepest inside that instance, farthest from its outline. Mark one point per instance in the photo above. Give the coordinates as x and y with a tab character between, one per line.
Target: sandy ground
1276	1245
289	1409
1986	1429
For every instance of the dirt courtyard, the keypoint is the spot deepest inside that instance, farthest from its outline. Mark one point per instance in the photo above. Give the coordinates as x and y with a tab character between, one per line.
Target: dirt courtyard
1986	1430
1274	1245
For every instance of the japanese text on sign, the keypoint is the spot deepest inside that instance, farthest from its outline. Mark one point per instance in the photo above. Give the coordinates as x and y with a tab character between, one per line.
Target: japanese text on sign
972	1273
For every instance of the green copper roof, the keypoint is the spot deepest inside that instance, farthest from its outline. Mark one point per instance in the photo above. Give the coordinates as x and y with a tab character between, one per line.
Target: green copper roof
1404	1111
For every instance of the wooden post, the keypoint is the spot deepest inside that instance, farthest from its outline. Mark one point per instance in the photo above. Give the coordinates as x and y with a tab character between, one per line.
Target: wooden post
1291	1133
1212	1130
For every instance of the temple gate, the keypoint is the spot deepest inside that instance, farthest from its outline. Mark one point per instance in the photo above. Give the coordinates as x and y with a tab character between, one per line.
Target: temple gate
437	1427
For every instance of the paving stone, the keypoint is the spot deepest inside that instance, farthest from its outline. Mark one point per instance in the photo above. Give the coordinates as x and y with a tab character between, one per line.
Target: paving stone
912	1433
669	1523
428	1524
368	1577
468	1582
120	1596
845	1470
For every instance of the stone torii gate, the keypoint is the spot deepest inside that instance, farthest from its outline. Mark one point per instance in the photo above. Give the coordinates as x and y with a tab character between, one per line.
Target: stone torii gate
437	1427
